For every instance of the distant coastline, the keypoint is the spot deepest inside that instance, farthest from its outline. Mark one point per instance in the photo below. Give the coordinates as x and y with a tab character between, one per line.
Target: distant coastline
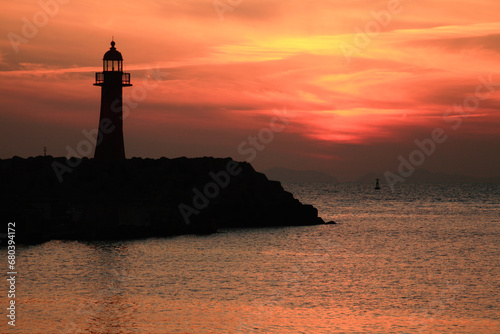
419	176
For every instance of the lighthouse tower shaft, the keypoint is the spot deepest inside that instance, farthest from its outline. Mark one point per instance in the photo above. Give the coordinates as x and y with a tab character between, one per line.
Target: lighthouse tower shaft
110	144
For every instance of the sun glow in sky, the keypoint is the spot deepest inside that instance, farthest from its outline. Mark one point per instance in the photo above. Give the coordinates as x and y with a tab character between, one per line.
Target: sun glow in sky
360	80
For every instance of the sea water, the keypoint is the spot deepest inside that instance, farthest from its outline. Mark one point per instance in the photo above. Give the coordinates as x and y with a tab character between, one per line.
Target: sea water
421	259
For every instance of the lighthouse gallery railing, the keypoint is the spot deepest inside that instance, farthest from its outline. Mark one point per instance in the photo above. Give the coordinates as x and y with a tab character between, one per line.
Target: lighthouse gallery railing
99	78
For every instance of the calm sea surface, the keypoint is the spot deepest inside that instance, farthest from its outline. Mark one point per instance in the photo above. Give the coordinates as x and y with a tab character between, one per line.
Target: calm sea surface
424	259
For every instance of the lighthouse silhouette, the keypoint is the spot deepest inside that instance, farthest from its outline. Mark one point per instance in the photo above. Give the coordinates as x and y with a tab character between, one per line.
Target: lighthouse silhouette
112	79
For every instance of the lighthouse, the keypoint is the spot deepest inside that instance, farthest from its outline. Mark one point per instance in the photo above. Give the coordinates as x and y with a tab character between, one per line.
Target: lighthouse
112	79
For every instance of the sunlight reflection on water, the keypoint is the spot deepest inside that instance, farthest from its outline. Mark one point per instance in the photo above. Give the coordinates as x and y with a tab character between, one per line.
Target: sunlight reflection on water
395	263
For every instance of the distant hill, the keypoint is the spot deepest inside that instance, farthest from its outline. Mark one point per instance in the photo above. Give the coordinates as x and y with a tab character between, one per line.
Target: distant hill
370	178
494	179
293	176
425	176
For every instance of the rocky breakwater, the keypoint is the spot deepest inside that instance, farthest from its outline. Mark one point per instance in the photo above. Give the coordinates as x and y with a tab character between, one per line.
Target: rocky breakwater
53	198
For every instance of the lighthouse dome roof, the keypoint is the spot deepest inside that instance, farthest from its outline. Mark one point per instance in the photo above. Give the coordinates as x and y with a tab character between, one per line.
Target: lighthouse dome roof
112	53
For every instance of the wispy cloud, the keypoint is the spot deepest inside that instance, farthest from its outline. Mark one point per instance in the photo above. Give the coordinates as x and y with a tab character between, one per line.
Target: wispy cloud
225	77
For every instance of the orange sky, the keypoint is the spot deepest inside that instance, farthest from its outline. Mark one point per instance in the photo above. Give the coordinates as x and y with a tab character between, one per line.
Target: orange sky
360	80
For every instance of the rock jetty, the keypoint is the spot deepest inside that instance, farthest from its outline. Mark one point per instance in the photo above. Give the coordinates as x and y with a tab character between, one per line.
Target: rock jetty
87	199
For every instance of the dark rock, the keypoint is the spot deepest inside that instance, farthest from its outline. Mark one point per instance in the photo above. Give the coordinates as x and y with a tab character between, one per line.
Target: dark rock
56	198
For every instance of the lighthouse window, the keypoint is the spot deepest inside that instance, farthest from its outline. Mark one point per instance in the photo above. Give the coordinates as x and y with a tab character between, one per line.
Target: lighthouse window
113	65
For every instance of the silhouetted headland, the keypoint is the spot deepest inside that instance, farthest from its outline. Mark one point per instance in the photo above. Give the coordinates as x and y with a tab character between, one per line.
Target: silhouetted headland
136	198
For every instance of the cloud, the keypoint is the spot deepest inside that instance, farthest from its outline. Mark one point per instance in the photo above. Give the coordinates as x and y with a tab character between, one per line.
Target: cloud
490	42
224	78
